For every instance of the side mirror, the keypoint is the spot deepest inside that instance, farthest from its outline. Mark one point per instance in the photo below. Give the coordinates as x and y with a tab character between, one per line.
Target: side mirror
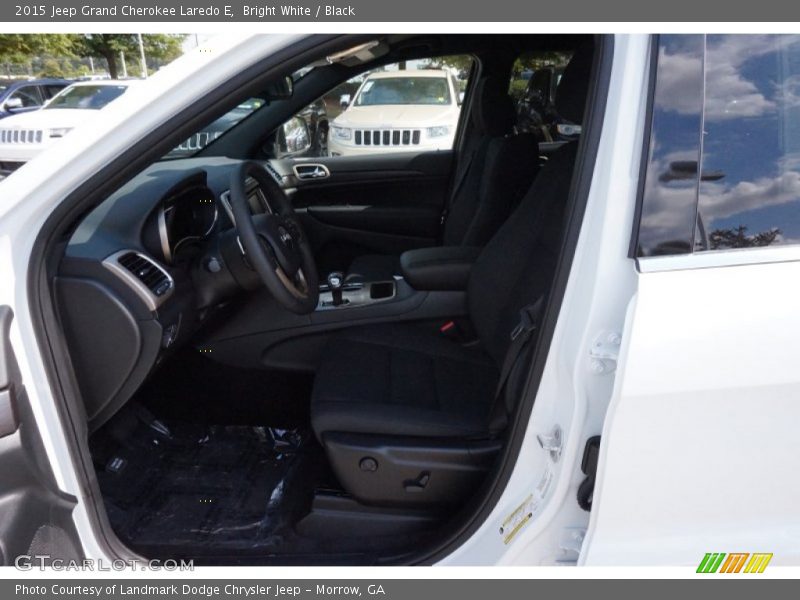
461	96
13	104
344	100
293	138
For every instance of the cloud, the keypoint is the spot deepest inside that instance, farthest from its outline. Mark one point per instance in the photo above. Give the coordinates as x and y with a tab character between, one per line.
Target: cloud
729	94
718	201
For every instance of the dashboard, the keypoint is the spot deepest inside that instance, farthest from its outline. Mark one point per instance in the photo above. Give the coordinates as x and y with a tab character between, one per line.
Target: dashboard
184	221
143	271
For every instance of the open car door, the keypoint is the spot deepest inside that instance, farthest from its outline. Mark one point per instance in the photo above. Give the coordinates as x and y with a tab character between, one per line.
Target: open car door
36	523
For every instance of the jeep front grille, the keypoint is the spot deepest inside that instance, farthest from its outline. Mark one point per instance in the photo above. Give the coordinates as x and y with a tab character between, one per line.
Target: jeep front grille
21	136
387	137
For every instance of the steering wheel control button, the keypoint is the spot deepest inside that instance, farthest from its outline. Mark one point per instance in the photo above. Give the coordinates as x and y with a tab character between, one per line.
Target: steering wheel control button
368	464
213	265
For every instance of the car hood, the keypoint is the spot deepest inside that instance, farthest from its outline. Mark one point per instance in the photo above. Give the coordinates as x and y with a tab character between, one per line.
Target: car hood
48	118
397	116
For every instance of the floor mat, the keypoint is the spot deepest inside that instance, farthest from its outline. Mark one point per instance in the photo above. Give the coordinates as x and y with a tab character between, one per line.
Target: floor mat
218	488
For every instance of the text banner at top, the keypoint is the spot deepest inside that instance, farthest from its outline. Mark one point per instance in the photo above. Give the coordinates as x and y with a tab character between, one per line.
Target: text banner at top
448	11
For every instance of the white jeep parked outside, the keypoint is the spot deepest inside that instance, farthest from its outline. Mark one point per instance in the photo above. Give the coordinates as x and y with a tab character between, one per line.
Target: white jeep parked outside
395	111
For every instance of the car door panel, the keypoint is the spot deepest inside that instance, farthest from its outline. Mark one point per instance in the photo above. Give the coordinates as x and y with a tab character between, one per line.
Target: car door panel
384	204
36	514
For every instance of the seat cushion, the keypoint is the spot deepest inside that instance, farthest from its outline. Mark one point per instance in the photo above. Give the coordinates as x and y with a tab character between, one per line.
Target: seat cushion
402	380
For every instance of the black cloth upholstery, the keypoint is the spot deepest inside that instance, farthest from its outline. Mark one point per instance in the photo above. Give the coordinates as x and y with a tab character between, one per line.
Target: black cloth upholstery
439	268
500	177
402	380
493	111
516	266
374	267
497	172
574	85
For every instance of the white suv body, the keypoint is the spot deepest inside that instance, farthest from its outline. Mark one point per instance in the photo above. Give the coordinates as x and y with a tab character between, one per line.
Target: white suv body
25	136
686	364
395	111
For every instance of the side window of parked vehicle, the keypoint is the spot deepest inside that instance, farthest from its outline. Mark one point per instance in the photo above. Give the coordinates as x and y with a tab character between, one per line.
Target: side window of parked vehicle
723	163
52	90
30	96
403	107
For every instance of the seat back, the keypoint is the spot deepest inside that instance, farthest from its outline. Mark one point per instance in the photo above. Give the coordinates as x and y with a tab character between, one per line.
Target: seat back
496	168
518	264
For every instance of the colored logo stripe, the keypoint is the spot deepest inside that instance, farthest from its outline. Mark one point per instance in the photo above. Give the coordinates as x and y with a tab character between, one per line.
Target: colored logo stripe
734	562
711	562
716	561
758	562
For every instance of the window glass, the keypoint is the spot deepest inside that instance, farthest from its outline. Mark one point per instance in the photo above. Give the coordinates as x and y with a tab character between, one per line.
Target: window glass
534	79
412	106
52	90
199	140
29	96
669	202
92	97
750	186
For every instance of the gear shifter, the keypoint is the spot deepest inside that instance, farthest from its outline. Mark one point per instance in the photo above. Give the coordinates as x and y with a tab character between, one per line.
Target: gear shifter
335	283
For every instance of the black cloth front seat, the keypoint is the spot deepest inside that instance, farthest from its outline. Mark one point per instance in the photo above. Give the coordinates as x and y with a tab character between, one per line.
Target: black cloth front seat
496	170
401	382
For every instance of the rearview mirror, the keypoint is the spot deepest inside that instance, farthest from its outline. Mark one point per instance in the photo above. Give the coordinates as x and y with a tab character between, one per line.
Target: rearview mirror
13	104
280	89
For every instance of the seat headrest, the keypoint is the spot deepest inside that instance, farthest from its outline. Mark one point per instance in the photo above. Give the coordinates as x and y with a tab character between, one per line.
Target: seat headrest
493	110
574	85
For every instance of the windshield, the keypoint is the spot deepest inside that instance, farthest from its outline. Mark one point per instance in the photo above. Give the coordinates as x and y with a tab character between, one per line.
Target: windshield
93	97
209	133
404	90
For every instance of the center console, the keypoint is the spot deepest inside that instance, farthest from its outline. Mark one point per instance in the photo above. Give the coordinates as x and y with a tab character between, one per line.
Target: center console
338	293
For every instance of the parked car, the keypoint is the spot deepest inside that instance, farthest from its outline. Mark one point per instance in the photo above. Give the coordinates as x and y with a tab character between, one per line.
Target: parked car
396	111
23	96
609	379
24	136
536	112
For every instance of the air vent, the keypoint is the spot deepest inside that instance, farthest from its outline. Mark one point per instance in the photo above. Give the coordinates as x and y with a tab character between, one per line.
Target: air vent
146	271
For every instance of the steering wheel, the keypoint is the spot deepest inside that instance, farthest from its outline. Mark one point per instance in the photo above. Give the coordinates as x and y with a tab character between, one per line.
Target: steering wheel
274	243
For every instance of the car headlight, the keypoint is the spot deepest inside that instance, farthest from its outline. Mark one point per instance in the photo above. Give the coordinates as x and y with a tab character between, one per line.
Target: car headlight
440	131
60	132
341	133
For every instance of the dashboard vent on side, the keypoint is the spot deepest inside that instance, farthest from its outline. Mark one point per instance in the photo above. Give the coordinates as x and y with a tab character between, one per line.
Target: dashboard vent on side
146	271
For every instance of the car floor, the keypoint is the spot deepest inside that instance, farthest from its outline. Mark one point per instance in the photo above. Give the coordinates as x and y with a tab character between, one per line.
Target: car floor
188	471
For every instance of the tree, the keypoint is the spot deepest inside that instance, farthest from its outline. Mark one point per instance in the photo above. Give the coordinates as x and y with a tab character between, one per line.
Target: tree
738	238
20	48
107	46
